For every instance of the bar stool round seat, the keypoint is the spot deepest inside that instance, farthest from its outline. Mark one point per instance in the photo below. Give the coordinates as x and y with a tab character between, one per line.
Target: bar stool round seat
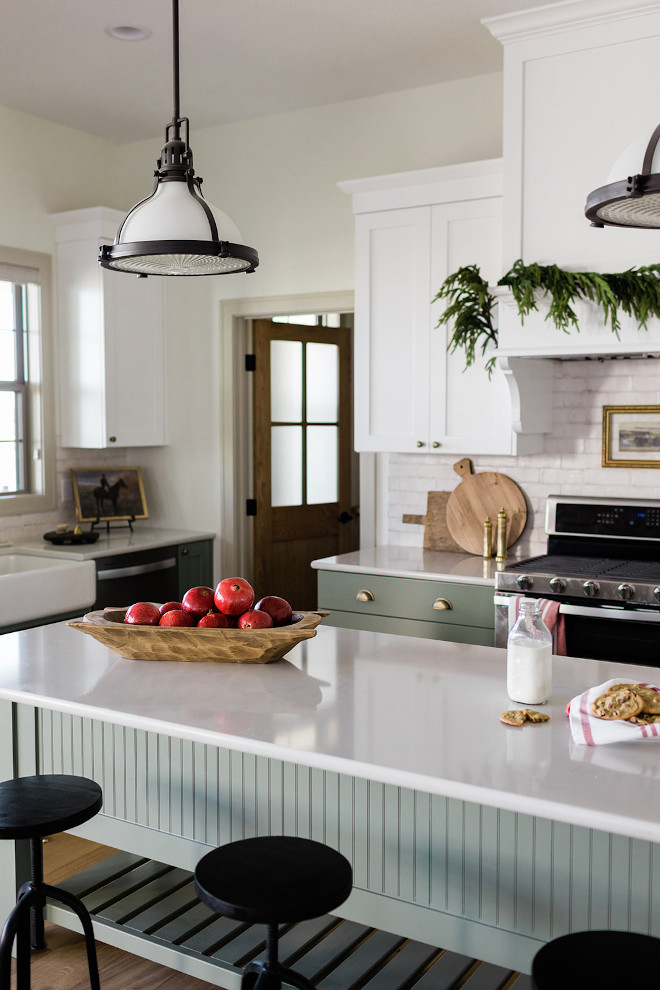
273	880
32	808
584	959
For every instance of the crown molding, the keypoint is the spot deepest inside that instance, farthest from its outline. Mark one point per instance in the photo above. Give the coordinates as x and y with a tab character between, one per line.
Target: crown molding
567	15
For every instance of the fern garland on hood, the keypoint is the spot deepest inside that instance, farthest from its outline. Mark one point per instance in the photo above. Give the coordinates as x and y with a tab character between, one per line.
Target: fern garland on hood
469	313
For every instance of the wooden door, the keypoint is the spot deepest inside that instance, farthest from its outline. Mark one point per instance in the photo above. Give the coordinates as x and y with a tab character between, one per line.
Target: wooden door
302	456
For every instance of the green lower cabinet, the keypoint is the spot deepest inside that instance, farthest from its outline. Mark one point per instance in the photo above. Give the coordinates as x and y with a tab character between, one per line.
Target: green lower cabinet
457	612
195	561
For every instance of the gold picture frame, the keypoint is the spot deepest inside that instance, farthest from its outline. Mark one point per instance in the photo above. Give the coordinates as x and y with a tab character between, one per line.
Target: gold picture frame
631	436
107	494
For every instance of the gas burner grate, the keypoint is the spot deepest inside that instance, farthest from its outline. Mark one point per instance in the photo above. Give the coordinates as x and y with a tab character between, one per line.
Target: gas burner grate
636	570
563	565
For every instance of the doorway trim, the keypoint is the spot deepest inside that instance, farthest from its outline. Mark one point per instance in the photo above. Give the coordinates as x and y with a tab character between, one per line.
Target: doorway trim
236	426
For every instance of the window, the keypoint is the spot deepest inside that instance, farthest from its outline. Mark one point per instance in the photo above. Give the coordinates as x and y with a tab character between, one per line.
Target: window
27	441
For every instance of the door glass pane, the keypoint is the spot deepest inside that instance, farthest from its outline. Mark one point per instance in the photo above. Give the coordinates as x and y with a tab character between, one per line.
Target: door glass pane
286	381
286	465
321	464
322	383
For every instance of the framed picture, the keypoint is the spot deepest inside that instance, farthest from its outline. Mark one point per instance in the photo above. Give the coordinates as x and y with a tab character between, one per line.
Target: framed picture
631	436
104	494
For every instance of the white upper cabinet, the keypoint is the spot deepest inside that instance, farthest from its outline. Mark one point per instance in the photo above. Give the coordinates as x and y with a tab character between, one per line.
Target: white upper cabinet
111	341
412	230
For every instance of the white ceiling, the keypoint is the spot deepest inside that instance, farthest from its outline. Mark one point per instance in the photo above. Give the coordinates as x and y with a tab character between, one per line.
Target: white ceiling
239	58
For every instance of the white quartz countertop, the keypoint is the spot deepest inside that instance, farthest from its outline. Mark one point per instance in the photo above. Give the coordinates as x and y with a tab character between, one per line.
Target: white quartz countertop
410	712
116	541
430	565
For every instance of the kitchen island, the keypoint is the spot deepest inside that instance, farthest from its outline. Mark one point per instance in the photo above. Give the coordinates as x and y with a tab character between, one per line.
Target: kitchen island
463	832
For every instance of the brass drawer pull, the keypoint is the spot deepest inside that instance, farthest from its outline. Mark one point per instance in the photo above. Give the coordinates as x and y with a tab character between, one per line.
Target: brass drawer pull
443	604
364	596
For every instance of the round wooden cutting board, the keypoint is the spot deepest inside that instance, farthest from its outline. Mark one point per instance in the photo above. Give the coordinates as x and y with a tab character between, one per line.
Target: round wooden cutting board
481	496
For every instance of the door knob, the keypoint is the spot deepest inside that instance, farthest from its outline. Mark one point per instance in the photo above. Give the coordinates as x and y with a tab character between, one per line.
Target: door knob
346	517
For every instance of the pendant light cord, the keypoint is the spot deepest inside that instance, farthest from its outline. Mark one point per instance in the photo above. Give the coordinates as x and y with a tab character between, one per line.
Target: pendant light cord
175	67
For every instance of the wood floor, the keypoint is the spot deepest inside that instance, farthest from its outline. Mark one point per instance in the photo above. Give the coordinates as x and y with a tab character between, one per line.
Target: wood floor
373	964
63	965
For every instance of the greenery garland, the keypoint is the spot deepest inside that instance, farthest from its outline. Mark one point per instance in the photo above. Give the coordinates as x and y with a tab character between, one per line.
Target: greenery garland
635	292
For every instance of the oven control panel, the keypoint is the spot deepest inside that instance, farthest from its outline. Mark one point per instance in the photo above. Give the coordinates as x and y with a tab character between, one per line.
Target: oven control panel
614	518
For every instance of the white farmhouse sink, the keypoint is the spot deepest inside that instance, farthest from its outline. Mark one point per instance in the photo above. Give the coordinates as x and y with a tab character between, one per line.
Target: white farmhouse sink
34	588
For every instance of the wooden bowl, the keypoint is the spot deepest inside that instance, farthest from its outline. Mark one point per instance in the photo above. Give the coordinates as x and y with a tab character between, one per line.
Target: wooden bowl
185	643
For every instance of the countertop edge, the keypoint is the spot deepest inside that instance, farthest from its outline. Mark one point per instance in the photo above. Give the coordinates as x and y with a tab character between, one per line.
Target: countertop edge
441	787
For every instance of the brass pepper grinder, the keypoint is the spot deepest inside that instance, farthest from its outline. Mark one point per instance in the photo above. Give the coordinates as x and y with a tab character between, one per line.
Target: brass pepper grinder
488	538
500	549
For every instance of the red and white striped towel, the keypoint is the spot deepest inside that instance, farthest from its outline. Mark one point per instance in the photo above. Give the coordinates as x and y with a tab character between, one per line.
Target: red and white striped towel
587	730
552	617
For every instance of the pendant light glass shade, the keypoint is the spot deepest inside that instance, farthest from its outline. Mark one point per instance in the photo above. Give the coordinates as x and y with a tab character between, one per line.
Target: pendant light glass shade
175	231
631	197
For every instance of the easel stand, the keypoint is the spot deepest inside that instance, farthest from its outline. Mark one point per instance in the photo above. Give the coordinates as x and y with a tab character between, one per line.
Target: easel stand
126	522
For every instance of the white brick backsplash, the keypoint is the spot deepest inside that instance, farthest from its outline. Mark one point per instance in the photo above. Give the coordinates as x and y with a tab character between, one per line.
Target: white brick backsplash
570	463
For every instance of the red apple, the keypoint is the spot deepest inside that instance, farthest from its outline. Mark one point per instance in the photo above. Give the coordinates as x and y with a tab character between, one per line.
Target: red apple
142	614
215	620
177	617
198	601
278	608
254	619
168	606
233	596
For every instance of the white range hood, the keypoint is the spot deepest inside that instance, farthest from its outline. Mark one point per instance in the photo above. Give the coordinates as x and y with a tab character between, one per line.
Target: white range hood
539	337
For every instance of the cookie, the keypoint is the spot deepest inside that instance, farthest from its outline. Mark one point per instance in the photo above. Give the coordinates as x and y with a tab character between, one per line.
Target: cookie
644	719
650	695
618	704
515	717
651	698
534	716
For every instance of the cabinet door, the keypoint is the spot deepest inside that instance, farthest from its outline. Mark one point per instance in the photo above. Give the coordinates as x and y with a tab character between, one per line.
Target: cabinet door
391	329
111	341
195	562
468	412
134	360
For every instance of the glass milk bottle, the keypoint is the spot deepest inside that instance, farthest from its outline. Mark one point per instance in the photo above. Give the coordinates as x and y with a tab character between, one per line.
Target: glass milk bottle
529	656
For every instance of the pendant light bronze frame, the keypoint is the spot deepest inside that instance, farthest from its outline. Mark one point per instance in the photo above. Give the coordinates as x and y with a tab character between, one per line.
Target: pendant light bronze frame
177	257
615	205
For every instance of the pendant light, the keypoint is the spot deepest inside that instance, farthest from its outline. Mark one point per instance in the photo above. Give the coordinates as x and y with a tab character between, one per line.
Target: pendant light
633	201
175	231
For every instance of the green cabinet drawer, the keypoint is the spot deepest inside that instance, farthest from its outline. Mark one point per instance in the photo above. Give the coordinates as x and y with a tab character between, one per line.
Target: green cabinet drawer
444	602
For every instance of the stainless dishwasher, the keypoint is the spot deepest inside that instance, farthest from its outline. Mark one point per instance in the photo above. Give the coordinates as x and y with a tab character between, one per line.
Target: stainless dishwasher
144	575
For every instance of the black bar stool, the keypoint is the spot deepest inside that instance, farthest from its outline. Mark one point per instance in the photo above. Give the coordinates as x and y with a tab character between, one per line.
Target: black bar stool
32	808
270	880
595	958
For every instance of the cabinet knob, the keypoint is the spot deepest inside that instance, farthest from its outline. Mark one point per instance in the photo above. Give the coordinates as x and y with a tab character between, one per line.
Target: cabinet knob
420	443
364	596
112	439
443	604
184	553
435	444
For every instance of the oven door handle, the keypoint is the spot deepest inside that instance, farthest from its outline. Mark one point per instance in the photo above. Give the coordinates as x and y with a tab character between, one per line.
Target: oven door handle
110	573
609	612
595	611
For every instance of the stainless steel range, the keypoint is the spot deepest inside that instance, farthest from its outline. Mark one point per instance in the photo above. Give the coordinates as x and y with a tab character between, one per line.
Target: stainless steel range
603	566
